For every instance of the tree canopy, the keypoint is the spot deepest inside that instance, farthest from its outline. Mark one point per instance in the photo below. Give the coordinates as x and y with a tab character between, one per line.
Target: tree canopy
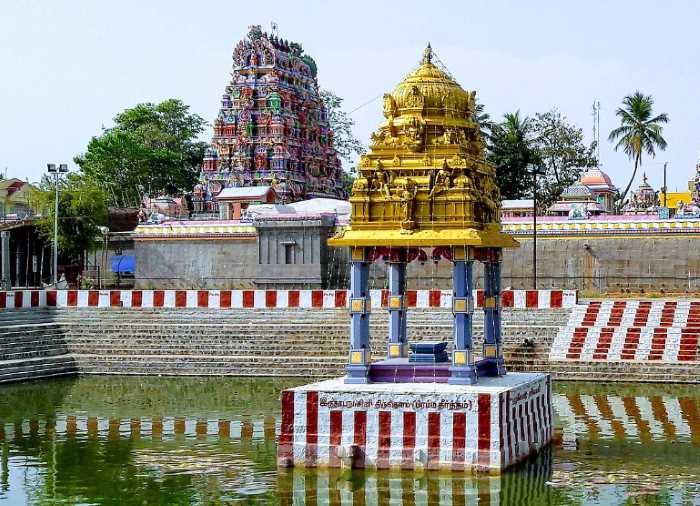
639	132
484	121
548	143
562	154
82	210
345	143
513	152
151	148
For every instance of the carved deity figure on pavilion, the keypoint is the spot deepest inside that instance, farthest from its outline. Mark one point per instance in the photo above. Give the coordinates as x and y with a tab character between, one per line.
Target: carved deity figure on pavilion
427	171
272	125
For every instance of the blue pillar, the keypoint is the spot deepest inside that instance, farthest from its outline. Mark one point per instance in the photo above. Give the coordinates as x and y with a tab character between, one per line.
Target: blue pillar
462	371
397	346
359	357
492	310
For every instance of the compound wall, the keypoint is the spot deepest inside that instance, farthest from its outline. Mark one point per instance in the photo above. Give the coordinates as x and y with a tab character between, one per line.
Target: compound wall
607	263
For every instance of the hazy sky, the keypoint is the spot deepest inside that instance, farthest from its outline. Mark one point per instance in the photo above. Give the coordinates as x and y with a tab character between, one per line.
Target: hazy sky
67	67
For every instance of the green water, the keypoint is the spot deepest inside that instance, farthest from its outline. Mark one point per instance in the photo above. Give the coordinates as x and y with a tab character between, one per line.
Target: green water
148	440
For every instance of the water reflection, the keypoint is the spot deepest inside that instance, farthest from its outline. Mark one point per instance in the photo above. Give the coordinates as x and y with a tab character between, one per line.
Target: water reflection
212	440
526	485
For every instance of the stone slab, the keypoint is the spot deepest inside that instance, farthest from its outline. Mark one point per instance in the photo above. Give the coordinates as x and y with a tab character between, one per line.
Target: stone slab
485	427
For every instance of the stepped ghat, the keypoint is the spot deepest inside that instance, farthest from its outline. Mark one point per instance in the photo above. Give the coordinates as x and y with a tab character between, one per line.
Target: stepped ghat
239	342
306	341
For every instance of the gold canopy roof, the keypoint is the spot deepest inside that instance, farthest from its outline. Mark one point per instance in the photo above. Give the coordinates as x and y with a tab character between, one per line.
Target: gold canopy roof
426	181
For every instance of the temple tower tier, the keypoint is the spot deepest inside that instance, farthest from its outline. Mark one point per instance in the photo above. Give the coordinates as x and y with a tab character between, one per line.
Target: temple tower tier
426	183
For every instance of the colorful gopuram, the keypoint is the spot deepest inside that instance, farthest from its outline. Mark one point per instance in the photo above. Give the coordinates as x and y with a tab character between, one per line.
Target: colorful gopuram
426	184
272	128
645	200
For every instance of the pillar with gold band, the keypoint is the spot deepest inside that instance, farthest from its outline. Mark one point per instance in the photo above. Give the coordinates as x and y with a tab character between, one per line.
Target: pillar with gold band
493	351
462	371
396	270
360	304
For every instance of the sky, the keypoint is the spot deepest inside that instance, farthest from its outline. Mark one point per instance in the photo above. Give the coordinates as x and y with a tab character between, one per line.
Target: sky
68	67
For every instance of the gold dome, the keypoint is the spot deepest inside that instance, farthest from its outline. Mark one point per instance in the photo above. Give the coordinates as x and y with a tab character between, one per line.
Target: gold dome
432	91
426	180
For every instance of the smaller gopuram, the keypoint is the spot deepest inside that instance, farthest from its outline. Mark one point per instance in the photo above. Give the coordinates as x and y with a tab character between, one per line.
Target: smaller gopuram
644	201
426	184
272	128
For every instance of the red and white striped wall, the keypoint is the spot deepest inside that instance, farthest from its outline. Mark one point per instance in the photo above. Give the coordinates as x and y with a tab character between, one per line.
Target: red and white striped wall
237	299
488	427
631	330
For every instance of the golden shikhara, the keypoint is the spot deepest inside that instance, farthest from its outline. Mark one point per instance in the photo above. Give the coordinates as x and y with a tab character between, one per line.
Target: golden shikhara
426	181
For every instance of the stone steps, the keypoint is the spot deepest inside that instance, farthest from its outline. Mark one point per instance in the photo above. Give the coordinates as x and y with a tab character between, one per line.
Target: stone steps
242	342
301	343
35	368
39	351
32	346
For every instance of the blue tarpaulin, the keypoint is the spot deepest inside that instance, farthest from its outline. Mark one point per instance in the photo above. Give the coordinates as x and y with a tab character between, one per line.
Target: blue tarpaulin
124	263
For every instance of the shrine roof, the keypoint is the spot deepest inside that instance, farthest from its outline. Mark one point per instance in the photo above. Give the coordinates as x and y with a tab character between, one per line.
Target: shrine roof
488	236
517	204
594	177
577	189
244	192
304	209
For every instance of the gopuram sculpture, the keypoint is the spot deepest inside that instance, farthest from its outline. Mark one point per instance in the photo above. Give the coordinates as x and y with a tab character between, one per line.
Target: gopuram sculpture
426	184
644	200
272	126
694	185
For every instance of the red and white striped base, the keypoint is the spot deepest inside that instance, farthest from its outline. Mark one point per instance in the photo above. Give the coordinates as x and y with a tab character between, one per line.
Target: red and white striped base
488	427
270	299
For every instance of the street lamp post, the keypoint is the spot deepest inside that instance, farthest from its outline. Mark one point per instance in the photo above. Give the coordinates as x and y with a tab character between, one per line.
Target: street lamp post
56	171
535	171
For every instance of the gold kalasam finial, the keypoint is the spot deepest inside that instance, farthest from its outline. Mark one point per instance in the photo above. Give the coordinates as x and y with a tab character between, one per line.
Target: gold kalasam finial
428	55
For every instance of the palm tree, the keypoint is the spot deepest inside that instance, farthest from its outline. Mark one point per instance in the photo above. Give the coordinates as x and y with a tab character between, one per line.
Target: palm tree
483	119
639	131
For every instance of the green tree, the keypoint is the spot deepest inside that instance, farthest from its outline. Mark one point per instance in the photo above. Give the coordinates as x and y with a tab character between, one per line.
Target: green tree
639	132
151	147
82	210
340	122
512	151
562	153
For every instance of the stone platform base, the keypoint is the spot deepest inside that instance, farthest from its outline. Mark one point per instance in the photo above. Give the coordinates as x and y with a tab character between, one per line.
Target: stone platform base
487	427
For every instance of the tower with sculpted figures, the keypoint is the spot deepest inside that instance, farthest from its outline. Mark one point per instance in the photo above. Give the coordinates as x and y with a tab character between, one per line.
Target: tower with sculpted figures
272	128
